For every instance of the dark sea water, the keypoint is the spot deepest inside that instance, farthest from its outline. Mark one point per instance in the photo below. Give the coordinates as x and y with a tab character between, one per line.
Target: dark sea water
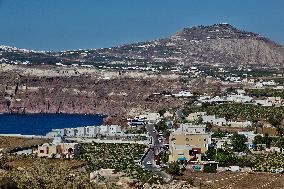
40	124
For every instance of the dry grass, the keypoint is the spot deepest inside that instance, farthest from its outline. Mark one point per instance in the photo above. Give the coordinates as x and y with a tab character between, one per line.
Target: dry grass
27	162
271	131
10	143
40	173
229	129
235	180
2	173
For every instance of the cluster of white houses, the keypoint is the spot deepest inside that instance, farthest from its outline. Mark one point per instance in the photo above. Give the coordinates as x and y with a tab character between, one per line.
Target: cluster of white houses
214	120
87	131
225	142
270	101
240	97
184	94
255	83
60	148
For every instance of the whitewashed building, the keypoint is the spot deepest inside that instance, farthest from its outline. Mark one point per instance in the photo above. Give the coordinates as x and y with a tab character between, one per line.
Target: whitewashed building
222	143
239	98
250	137
183	94
190	128
214	120
87	131
263	102
92	131
241	124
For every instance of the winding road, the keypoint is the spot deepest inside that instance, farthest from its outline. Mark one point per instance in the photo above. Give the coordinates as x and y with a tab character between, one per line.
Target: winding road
154	149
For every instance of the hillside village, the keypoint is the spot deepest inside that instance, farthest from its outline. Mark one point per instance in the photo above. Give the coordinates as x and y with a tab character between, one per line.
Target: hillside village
187	140
190	111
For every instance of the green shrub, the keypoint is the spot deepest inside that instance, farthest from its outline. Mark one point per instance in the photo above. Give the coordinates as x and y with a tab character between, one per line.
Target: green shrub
173	169
210	169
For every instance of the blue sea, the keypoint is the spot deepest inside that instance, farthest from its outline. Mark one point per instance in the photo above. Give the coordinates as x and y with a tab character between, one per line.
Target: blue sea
40	124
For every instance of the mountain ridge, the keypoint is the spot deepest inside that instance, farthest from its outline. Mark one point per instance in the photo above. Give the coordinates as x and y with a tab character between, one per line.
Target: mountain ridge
214	44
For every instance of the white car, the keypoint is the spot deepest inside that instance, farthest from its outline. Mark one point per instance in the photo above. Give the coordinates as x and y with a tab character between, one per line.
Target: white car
149	163
280	170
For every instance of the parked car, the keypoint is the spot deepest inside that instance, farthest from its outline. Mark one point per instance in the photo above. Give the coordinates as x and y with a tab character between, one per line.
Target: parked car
273	170
149	163
233	169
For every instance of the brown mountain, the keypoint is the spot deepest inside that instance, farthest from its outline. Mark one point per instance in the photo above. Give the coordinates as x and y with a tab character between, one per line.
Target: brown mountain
216	44
220	43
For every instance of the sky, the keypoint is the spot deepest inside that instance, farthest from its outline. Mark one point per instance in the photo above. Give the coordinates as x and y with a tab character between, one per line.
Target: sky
88	24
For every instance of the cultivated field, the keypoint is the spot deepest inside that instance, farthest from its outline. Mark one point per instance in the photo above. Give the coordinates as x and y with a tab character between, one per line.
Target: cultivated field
120	157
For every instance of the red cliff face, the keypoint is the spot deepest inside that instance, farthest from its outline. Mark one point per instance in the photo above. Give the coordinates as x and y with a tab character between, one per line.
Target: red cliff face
83	95
90	95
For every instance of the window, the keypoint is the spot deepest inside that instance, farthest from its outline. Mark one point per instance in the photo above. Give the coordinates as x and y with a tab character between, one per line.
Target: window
205	139
41	151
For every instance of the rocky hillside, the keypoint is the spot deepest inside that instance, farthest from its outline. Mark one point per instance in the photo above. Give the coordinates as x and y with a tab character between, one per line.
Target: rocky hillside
216	44
221	43
226	44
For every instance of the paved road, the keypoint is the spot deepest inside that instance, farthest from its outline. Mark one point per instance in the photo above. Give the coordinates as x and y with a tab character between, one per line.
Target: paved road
156	145
150	154
149	157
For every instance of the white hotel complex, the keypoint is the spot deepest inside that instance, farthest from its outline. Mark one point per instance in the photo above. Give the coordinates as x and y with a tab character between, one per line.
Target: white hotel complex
87	131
